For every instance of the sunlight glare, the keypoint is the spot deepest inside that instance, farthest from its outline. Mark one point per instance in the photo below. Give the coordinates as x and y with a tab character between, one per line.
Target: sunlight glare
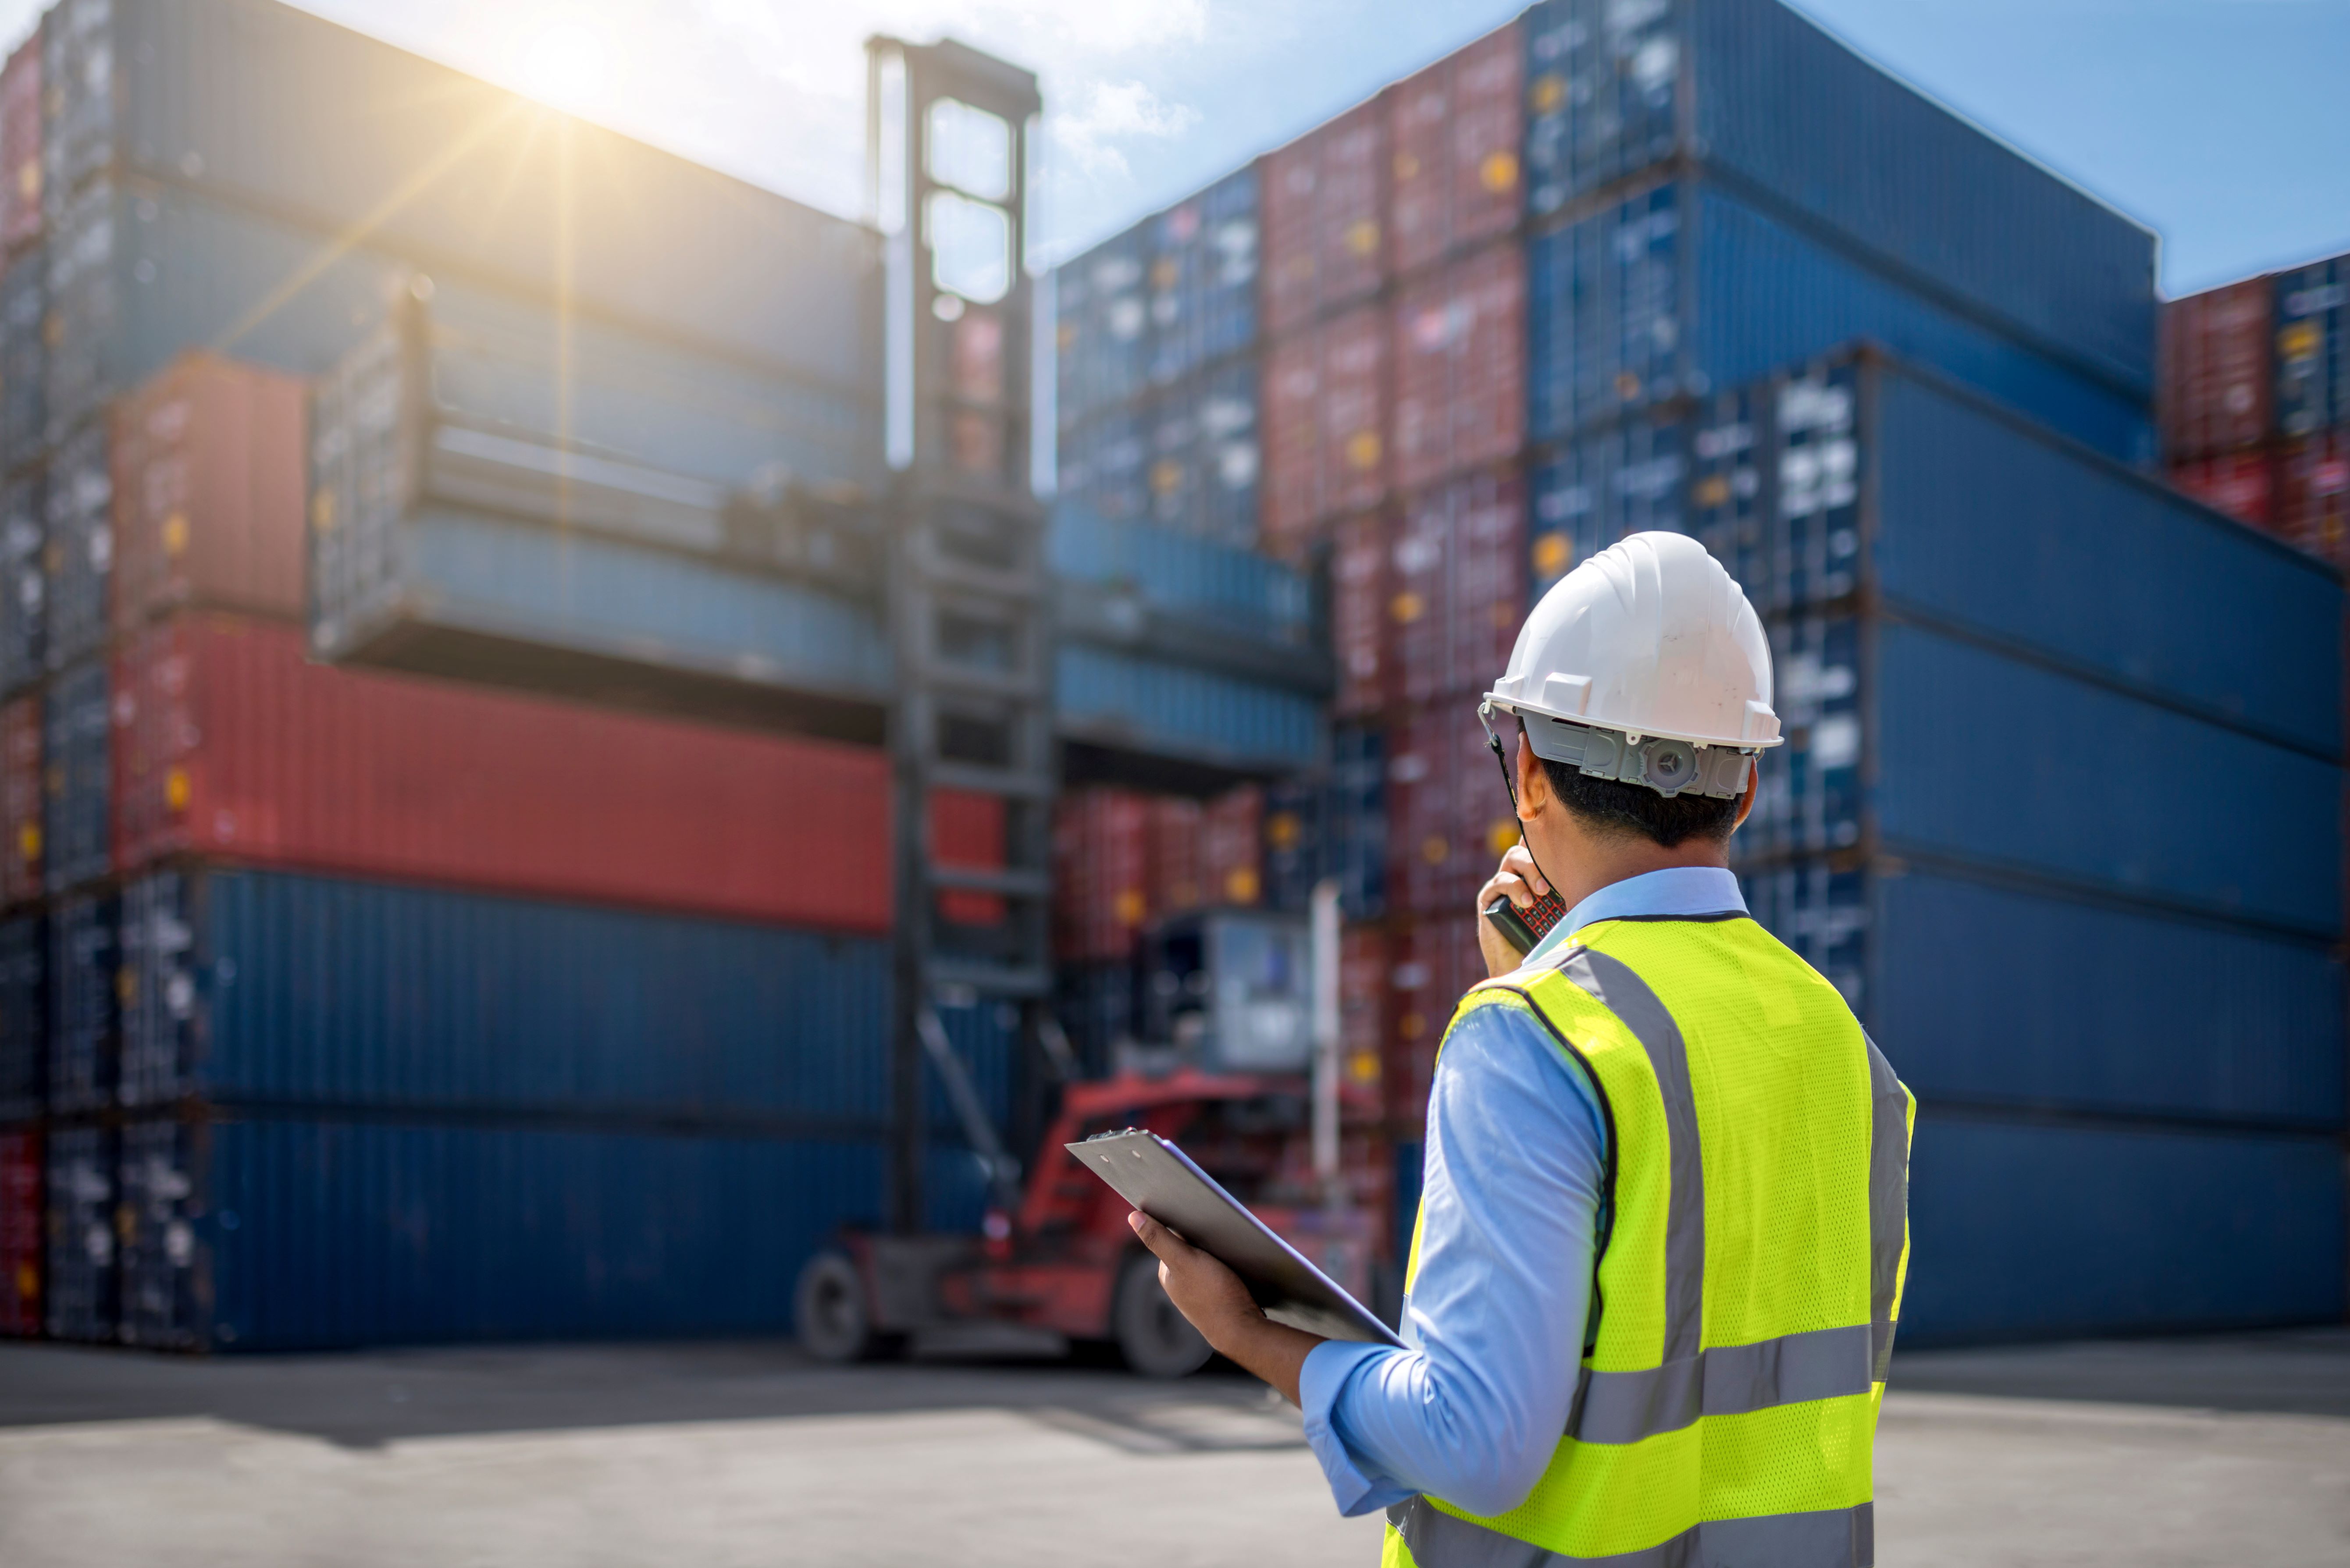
566	66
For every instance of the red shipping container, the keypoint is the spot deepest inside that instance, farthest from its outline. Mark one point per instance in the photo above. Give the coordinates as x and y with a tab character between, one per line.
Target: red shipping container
2313	504
2217	378
20	146
1454	130
1458	588
228	744
1323	200
1099	869
1325	429
967	833
1178	877
1363	981
20	1234
21	800
2241	484
1449	817
210	468
1461	366
1436	962
1359	613
1231	847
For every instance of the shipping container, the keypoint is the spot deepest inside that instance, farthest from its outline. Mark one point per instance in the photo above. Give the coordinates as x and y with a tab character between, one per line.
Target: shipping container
79	1262
22	1225
1684	287
24	581
1449	814
1324	197
1365	977
2217	379
2083	1013
1458	590
1102	327
210	482
2313	348
24	353
1357	824
271	989
1132	703
1203	455
20	147
2055	1230
478	598
1105	465
78	778
1459	359
319	1234
77	502
22	801
228	744
1094	1003
1100	874
1453	133
1174	879
253	103
85	1003
1231	847
1865	471
1325	428
1435	961
1888	724
23	1018
2244	485
2313	494
1203	278
1361	556
1204	583
1756	93
1293	843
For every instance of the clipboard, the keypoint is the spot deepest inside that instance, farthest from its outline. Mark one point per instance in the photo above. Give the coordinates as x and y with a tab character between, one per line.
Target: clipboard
1160	1180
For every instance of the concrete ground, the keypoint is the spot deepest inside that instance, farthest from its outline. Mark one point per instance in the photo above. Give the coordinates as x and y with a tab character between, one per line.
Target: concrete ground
2154	1454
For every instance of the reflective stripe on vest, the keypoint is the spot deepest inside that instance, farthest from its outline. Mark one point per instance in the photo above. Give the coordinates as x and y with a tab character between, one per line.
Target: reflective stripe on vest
1682	1458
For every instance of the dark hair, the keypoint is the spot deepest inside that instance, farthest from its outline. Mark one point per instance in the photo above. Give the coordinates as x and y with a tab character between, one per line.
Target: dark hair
1620	810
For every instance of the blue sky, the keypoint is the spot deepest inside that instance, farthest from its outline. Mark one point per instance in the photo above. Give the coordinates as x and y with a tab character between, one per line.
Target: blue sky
2224	124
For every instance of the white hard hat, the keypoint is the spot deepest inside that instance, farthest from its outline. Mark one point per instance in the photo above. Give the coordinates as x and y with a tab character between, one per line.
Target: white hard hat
1644	664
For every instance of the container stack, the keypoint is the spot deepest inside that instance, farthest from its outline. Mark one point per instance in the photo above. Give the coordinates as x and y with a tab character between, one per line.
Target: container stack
1696	266
2256	402
373	1004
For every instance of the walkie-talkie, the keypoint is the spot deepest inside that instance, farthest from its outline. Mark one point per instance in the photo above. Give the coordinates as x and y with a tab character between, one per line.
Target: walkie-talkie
1522	929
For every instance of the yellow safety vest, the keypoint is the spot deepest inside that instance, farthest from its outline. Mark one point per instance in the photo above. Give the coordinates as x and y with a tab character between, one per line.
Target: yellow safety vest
1749	1275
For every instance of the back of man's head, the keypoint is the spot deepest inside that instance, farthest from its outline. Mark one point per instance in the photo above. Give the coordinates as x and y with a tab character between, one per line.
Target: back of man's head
1609	808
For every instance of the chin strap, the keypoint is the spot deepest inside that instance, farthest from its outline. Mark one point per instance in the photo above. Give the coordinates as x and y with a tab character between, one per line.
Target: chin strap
1509	779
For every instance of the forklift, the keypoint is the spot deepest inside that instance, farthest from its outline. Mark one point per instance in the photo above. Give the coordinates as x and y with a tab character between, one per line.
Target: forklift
1236	1060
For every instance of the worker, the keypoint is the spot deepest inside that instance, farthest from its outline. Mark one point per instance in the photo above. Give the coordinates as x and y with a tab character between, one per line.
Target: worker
1663	1227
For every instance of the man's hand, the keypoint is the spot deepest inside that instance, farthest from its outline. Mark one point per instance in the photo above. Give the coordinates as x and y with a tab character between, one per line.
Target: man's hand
1212	1297
1521	883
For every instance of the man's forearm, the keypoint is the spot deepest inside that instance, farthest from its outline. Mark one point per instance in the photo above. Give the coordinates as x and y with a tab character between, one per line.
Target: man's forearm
1272	1351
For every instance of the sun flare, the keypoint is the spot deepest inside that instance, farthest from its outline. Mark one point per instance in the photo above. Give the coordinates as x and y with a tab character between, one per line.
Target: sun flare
567	65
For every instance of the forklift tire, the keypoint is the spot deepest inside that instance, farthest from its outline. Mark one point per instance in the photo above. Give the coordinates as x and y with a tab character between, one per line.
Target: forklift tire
1155	1339
834	1312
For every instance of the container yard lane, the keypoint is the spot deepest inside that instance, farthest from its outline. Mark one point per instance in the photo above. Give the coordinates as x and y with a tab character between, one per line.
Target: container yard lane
745	1453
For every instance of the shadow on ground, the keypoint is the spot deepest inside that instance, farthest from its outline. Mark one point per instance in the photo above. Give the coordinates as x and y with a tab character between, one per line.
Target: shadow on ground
2295	1372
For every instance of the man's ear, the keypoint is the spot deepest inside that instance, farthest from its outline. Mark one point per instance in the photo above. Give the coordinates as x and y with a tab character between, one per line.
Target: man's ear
1533	784
1746	801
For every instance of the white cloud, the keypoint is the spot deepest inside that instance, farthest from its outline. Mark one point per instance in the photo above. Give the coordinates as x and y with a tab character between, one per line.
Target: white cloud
1109	112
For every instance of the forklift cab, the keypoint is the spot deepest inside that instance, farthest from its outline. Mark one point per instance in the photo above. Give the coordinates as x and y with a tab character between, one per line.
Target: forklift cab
1229	991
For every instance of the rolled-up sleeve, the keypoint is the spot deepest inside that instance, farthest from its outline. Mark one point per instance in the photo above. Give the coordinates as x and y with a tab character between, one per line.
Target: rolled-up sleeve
1472	1409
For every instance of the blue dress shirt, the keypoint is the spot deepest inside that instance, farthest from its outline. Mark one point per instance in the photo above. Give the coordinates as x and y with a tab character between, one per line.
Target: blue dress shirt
1473	1409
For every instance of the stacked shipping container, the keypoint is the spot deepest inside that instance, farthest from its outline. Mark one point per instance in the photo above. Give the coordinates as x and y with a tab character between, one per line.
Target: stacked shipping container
2256	402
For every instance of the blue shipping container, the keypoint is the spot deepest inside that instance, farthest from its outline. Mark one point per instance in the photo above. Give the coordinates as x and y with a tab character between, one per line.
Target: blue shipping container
23	582
1133	703
78	504
1862	471
2313	346
1104	465
1204	454
251	987
23	1018
1683	288
385	587
314	1234
1356	852
259	104
1757	94
77	827
85	1003
1103	332
1987	994
79	1284
1203	278
23	359
1182	574
1910	742
2037	1231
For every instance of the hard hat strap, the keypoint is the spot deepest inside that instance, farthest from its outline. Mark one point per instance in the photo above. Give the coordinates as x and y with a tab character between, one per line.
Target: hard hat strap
1509	779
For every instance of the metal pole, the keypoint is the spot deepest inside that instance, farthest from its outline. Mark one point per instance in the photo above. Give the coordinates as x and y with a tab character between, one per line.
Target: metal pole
1327	1064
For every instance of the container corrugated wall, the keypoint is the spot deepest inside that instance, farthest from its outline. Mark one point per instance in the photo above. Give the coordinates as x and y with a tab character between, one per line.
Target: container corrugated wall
23	580
257	987
1153	705
80	1279
77	838
24	1230
23	1018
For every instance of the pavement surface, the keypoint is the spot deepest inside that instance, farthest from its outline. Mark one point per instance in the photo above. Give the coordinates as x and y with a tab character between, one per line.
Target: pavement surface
2149	1454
